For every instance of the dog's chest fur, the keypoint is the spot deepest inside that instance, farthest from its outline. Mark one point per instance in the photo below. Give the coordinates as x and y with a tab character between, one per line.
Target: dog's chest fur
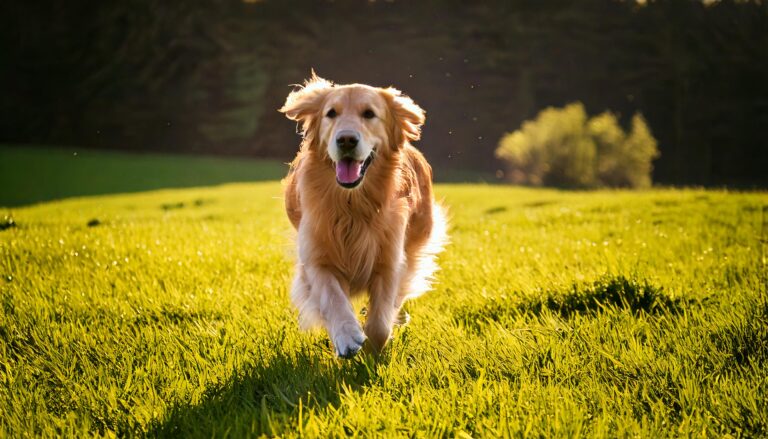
356	243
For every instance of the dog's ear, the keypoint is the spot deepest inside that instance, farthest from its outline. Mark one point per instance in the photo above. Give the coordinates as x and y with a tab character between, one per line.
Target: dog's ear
408	117
304	103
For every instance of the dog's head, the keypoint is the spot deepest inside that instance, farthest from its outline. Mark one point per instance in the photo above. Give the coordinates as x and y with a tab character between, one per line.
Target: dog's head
352	124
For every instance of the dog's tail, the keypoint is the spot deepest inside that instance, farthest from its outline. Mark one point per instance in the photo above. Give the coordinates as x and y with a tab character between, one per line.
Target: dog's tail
421	270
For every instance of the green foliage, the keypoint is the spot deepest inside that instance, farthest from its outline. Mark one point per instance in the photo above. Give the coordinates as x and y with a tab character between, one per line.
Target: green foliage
142	75
562	147
639	150
555	314
208	75
240	103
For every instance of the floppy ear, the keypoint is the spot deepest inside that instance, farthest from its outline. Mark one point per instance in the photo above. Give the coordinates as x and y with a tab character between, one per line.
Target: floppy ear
303	104
408	117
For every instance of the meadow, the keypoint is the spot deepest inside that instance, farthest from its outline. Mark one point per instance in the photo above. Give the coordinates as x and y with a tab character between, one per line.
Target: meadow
556	313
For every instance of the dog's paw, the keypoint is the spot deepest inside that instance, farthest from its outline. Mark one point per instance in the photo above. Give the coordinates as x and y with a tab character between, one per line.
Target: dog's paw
348	341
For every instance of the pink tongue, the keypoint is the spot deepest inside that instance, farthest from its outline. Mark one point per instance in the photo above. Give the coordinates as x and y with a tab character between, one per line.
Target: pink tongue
348	171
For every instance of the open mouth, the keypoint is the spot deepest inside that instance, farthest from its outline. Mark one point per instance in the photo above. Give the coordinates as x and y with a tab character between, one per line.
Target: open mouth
350	172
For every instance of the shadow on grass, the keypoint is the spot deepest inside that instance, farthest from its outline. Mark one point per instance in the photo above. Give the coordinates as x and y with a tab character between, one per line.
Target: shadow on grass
744	339
263	399
609	293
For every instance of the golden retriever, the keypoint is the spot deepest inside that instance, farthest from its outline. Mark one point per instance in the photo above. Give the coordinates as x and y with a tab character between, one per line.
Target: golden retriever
360	196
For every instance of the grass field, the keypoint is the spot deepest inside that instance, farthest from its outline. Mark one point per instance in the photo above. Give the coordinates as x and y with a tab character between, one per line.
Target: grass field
557	313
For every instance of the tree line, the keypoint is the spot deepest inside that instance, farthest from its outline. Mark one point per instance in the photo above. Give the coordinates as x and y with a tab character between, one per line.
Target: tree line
208	76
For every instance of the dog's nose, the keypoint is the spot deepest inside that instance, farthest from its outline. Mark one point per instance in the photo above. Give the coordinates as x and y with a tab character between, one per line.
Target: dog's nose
347	140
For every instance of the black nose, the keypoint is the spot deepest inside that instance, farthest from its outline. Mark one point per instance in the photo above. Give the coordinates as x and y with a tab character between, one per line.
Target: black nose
347	140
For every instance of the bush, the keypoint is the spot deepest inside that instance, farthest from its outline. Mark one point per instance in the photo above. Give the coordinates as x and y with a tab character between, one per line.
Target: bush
563	147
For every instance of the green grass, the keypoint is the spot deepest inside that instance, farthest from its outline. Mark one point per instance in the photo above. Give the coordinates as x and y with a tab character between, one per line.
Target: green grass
556	314
30	175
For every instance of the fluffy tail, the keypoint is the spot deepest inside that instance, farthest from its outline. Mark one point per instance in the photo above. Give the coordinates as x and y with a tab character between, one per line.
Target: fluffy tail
421	269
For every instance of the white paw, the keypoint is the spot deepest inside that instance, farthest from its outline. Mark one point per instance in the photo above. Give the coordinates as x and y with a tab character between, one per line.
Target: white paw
348	340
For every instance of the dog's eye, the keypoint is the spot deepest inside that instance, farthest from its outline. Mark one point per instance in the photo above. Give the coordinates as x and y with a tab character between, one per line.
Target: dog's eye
331	113
369	114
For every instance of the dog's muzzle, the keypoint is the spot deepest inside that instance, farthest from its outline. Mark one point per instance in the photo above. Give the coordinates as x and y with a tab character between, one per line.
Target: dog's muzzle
350	172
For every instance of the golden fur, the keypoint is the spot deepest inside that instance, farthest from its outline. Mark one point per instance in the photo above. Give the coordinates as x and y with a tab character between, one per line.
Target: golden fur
380	237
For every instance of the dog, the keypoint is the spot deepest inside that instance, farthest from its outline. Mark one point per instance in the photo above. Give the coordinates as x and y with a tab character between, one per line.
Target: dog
360	198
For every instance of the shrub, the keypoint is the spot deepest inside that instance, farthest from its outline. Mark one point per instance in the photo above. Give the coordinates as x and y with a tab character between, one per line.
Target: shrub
563	147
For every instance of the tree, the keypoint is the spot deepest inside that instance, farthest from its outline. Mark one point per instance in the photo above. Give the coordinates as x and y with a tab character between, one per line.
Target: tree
563	147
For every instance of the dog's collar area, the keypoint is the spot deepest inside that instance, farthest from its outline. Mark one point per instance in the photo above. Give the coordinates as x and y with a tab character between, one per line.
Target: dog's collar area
363	168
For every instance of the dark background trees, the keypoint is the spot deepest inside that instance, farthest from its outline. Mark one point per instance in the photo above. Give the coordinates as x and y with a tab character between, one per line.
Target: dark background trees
207	76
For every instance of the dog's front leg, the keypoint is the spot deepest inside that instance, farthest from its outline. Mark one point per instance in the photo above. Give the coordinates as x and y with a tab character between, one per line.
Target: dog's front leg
381	310
337	313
